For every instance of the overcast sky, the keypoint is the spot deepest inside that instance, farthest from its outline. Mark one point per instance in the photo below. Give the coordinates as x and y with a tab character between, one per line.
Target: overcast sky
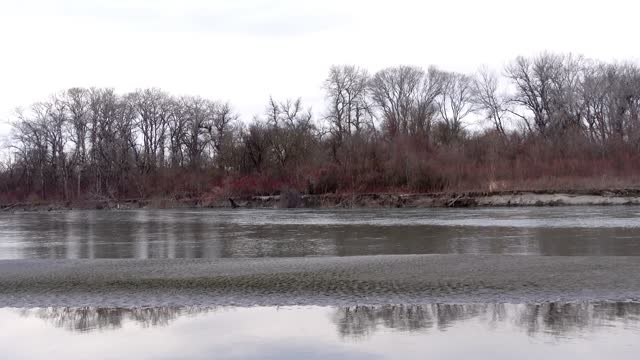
245	50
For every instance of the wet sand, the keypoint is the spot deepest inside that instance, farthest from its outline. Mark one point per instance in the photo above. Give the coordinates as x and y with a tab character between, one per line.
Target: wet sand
338	281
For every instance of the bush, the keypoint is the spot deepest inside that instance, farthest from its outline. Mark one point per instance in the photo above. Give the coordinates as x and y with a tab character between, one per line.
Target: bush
290	199
324	181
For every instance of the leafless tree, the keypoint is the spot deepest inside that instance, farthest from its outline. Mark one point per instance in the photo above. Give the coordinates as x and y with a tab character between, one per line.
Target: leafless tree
220	130
487	98
347	94
454	104
425	109
547	87
196	112
256	144
77	101
394	91
153	110
290	130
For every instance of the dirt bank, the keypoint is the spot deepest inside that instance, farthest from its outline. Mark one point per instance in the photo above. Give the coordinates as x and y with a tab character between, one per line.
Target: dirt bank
359	200
462	199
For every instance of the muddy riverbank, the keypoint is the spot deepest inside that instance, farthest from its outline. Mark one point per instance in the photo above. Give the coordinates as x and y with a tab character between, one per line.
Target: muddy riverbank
461	199
357	200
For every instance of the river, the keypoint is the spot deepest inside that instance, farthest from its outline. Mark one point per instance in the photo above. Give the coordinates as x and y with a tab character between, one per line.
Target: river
540	282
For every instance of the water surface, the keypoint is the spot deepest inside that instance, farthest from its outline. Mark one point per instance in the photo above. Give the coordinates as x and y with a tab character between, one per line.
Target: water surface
142	234
491	331
482	329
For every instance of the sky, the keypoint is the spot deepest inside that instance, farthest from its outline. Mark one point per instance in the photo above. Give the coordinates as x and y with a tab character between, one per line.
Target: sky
244	51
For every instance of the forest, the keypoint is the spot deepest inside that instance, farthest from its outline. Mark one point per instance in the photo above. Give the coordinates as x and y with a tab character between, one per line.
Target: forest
551	121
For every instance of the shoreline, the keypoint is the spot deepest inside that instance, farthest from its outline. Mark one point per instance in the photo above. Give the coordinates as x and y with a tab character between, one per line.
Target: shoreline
358	280
515	198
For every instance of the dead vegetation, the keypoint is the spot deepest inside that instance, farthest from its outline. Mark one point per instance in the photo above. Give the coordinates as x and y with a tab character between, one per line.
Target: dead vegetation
553	122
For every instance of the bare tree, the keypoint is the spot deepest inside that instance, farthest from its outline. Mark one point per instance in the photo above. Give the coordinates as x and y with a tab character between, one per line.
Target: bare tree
425	107
454	104
177	132
547	88
290	131
394	91
346	91
220	129
406	98
533	80
78	104
196	112
153	110
256	144
487	99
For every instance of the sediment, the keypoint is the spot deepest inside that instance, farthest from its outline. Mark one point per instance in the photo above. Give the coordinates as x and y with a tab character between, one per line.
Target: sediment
336	281
360	200
451	199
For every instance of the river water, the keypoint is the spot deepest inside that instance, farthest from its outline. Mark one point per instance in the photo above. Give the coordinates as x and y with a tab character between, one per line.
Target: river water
550	330
148	234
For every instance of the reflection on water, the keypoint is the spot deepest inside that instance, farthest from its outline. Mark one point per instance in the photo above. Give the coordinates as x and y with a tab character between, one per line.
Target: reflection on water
552	318
493	331
89	318
557	319
145	234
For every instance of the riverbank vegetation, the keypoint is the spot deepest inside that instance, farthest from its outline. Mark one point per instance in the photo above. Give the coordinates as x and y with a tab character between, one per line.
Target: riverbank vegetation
553	121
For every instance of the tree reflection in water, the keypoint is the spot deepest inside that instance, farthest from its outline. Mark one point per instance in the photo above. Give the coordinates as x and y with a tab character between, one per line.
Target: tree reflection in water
90	318
552	318
355	322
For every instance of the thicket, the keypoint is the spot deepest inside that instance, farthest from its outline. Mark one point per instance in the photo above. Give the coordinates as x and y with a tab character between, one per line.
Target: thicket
548	122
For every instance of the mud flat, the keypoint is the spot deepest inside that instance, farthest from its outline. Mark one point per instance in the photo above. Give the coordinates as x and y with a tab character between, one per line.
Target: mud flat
337	281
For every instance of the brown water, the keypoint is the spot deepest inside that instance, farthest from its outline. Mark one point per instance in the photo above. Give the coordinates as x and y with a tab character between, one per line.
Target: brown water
143	234
403	330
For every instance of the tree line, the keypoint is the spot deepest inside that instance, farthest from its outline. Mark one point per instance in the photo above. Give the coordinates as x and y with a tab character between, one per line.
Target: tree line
552	120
